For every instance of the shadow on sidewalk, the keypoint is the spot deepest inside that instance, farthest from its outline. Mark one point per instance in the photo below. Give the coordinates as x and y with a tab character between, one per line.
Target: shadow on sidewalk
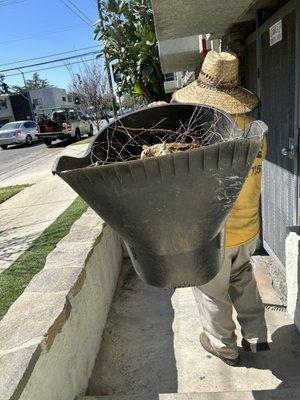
137	354
11	246
283	360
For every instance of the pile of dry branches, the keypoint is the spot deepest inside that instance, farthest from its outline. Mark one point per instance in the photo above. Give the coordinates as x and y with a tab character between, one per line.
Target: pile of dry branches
123	143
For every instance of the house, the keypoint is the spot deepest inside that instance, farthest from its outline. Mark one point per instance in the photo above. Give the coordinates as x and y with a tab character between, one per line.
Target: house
15	108
265	36
173	81
194	49
6	112
50	97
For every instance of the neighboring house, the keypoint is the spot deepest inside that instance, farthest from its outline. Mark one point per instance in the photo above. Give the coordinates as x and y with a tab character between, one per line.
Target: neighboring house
50	97
265	36
17	107
6	112
173	81
185	53
14	107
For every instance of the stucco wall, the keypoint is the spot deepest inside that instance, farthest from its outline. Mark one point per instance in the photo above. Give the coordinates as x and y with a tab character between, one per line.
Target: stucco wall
50	97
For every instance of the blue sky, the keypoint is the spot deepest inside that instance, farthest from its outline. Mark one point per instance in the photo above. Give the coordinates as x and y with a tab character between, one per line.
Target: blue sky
35	28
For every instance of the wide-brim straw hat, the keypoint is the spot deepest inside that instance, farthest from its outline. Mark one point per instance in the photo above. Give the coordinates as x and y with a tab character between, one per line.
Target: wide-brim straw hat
218	86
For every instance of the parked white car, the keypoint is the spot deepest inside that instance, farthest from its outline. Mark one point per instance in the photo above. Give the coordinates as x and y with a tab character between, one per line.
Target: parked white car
18	132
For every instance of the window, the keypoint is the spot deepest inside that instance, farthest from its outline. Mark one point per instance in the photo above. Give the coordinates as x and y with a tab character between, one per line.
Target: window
70	98
12	125
37	102
170	77
64	98
73	115
29	125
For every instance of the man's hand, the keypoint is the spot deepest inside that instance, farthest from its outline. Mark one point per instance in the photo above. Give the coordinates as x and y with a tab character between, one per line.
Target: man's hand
157	103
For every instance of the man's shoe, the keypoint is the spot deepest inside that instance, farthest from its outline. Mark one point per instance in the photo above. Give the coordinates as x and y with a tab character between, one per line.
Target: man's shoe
206	344
256	347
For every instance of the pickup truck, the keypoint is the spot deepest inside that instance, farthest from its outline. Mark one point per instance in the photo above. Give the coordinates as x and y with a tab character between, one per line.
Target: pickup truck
64	124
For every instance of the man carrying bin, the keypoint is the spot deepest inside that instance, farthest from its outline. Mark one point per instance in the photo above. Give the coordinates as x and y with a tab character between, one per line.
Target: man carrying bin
235	285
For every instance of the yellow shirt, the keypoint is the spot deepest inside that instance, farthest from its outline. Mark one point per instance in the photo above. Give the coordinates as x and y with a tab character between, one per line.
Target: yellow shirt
243	223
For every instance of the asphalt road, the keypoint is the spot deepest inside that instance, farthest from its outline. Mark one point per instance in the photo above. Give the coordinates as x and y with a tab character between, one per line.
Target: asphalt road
17	160
20	161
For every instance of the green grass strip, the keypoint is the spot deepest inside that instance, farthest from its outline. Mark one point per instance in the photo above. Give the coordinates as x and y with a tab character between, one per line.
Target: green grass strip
10	191
14	280
83	141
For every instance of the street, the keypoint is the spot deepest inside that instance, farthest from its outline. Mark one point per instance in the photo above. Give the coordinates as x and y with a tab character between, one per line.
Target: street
26	215
22	164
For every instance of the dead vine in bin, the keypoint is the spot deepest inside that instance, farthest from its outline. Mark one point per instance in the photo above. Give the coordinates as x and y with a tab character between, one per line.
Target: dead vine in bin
123	143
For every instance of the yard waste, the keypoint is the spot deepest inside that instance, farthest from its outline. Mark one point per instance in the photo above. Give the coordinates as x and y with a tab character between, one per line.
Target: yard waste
170	209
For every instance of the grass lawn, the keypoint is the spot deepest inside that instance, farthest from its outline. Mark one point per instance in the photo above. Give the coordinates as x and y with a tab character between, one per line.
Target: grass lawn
83	141
14	280
10	191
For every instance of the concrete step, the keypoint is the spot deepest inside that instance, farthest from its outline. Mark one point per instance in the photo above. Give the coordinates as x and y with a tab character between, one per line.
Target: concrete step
275	394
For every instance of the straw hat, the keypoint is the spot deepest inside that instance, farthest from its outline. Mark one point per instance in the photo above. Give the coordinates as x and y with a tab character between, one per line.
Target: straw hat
218	86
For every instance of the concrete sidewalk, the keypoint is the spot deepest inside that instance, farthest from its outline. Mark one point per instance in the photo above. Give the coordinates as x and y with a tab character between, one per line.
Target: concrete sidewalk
26	215
151	346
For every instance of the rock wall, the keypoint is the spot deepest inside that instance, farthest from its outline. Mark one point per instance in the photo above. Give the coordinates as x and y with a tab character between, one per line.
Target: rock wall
51	335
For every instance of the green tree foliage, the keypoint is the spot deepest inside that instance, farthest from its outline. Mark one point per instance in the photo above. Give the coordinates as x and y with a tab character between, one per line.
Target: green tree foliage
130	43
131	102
36	82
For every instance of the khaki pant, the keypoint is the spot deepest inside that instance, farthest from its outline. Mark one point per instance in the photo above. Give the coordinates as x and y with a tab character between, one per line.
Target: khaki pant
234	286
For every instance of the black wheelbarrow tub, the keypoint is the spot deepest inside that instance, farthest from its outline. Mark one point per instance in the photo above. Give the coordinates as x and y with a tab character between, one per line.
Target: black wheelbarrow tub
170	210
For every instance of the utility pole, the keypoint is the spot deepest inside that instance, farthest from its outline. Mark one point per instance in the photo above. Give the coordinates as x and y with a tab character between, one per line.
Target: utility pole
106	61
28	95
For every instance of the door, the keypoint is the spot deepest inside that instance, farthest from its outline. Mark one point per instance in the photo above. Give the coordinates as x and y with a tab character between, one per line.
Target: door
31	127
277	88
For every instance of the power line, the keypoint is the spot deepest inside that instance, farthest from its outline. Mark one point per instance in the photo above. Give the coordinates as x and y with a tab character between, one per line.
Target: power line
81	12
50	62
48	56
53	67
78	15
9	3
38	34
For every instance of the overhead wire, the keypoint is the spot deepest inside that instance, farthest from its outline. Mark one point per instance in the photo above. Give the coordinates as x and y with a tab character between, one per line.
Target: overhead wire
49	55
35	35
78	15
53	67
83	17
49	62
9	3
81	12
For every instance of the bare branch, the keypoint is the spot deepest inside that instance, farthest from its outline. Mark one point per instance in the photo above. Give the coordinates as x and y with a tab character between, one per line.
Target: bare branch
90	84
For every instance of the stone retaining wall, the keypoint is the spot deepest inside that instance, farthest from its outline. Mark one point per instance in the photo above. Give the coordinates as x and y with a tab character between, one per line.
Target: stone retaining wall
51	335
